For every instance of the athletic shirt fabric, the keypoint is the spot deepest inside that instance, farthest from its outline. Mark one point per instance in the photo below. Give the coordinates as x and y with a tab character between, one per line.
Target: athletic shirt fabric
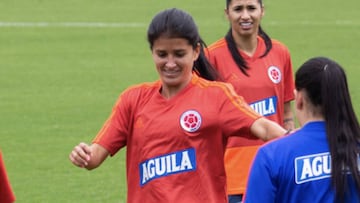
6	193
270	84
295	168
175	147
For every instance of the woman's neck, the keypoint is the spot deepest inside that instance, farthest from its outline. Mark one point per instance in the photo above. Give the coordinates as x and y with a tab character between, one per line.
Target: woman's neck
247	44
309	117
169	91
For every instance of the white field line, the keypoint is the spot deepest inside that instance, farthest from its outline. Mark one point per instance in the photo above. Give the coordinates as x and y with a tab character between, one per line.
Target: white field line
323	23
72	24
138	25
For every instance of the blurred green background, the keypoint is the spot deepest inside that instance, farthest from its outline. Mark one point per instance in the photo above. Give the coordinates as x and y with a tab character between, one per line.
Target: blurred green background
64	63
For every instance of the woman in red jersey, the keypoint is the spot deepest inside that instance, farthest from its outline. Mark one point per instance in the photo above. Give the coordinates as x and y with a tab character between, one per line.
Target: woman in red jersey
260	70
6	193
175	129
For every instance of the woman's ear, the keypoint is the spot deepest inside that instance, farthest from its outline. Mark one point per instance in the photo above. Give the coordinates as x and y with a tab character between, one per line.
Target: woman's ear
197	51
262	11
226	13
299	99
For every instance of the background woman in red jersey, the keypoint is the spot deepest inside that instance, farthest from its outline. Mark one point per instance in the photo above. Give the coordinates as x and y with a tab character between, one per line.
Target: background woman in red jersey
175	129
6	193
260	70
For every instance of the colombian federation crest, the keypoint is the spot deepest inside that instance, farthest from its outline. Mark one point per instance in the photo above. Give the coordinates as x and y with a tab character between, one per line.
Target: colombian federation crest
190	121
274	74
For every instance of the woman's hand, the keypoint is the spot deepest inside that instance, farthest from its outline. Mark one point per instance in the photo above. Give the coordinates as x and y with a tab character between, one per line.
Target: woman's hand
88	156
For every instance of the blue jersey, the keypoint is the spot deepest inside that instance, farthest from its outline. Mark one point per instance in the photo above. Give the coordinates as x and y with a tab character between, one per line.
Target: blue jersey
295	168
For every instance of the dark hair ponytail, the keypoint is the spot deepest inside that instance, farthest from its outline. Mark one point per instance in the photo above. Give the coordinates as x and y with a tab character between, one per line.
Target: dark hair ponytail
240	62
203	67
175	23
325	83
267	40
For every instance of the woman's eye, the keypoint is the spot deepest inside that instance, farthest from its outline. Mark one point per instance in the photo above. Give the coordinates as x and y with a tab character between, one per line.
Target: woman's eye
181	54
238	8
161	54
251	8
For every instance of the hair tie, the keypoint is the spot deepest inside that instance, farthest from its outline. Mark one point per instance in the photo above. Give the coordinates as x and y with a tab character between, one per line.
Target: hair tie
325	67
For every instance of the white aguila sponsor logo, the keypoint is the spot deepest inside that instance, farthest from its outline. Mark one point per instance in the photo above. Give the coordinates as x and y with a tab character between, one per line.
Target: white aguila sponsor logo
315	166
265	107
177	162
312	167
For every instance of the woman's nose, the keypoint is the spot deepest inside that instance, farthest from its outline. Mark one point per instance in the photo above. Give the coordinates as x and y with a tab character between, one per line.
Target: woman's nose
170	62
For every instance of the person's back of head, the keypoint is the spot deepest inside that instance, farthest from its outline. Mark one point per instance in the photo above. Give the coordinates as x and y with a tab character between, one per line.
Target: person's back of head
325	84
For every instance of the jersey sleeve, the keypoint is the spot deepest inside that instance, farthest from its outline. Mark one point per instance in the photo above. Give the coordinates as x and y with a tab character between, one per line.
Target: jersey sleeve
261	183
289	84
114	133
235	114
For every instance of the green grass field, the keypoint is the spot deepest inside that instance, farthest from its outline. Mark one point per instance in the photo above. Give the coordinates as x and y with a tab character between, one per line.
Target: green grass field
64	63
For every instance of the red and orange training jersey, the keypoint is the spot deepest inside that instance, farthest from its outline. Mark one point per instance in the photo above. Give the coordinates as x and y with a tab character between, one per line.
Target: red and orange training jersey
269	85
6	193
175	147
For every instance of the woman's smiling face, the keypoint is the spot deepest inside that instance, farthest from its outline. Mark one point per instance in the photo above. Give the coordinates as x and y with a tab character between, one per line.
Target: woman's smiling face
245	16
174	59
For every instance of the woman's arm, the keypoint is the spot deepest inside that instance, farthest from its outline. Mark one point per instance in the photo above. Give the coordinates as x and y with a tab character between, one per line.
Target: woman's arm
288	122
266	129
